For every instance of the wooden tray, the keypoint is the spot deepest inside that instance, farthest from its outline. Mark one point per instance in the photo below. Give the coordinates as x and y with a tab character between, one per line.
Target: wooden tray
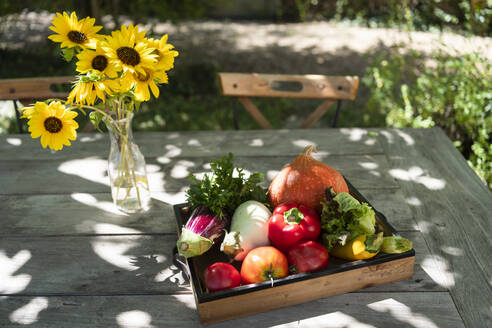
338	278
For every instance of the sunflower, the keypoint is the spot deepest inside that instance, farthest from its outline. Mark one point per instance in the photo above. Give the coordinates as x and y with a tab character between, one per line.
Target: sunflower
129	52
142	82
27	111
96	60
72	33
133	30
164	52
120	85
54	124
86	92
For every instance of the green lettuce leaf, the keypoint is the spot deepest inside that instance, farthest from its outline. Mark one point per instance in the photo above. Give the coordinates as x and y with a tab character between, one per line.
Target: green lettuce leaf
343	218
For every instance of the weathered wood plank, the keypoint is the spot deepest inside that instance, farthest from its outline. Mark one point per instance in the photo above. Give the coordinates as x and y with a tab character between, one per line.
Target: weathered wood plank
89	175
121	264
80	213
202	143
350	310
90	265
424	270
453	210
394	206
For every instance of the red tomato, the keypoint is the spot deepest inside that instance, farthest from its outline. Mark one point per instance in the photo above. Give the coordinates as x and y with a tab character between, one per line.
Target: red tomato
307	256
220	276
262	264
292	223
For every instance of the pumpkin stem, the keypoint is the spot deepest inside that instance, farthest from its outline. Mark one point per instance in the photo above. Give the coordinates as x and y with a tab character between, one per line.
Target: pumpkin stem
308	150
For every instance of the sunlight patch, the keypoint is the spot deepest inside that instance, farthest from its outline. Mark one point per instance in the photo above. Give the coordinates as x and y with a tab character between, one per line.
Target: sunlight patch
134	319
301	143
354	134
107	228
187	300
152	168
438	269
414	201
91	168
387	135
402	313
416	174
172	274
28	314
14	141
336	319
194	143
172	151
93	137
406	137
10	284
114	250
455	251
90	200
180	169
171	197
369	165
256	143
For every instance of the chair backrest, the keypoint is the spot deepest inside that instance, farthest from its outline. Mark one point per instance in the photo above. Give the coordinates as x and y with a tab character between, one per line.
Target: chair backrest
329	88
30	89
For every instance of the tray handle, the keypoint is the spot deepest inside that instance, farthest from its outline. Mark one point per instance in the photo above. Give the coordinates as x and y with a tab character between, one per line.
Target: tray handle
180	262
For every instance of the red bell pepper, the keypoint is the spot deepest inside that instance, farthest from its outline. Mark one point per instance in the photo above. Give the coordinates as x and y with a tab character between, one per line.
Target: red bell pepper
291	223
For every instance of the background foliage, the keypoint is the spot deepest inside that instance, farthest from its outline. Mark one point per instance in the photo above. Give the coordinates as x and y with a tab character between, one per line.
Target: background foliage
454	93
403	88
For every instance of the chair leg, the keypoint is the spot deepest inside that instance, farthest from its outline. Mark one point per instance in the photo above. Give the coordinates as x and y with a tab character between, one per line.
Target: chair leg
235	114
317	114
335	120
17	116
255	113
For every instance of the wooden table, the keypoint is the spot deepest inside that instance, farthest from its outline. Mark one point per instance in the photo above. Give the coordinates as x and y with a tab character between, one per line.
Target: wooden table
68	258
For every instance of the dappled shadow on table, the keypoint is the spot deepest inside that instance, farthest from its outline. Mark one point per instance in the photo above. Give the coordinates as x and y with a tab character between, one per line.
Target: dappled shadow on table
94	250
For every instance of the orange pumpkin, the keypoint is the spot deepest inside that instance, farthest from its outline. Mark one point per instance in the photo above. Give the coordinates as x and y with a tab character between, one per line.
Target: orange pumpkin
304	181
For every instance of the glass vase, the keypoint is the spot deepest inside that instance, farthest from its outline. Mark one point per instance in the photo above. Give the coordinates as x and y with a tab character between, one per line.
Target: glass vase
126	168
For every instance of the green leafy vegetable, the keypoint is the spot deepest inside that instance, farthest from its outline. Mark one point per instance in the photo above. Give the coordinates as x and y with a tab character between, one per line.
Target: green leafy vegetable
343	218
226	188
395	245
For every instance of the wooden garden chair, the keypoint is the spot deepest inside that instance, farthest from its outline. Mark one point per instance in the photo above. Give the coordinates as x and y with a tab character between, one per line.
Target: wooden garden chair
30	90
330	89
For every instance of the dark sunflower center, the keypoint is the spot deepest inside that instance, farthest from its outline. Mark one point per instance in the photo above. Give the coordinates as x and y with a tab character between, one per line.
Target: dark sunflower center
100	63
77	37
158	53
128	56
53	124
143	77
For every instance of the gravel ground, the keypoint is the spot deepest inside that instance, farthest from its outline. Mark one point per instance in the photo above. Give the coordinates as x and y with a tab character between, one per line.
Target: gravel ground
302	48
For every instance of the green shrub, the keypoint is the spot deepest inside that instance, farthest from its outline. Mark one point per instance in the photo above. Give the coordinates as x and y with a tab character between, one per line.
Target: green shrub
461	15
454	93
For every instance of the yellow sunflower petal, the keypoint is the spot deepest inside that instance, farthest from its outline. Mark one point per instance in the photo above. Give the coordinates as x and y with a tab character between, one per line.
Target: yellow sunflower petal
154	88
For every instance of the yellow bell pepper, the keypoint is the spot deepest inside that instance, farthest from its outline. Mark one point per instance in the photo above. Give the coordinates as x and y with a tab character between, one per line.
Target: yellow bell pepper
362	247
